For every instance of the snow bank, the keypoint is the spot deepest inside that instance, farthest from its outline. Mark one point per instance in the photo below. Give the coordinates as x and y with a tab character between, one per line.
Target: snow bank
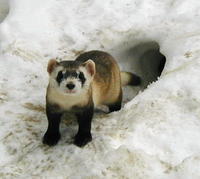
155	135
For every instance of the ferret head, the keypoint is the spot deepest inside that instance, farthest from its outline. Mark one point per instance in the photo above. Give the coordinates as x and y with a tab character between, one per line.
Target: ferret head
70	77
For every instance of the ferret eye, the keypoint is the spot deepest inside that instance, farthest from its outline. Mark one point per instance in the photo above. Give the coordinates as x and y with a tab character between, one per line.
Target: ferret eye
81	77
59	76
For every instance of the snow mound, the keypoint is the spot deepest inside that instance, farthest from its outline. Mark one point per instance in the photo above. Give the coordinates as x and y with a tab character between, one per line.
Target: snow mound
155	135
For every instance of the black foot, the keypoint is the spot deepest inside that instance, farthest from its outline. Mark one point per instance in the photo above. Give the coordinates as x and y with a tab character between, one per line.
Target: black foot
82	140
115	107
51	138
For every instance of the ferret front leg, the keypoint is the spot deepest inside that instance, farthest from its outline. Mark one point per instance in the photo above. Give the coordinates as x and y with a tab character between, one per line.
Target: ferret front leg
52	134
84	131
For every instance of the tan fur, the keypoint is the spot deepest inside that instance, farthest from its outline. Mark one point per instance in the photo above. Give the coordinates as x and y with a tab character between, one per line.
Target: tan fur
66	102
52	63
107	90
126	77
90	66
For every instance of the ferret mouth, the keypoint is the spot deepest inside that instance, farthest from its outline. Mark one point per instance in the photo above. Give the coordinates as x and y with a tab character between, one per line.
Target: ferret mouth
70	91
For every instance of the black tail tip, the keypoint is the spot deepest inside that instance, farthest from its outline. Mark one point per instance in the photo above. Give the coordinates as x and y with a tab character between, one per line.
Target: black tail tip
136	80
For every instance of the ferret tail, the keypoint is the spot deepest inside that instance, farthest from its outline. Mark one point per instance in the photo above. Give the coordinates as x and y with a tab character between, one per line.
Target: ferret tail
128	78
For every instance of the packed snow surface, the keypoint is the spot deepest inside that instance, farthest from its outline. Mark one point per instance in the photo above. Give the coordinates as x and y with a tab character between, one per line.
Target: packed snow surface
156	135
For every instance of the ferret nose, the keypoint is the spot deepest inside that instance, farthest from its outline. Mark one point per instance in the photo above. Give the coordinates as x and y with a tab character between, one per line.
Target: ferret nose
70	86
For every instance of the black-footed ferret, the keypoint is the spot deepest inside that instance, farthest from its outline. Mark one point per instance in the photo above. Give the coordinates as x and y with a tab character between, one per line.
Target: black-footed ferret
78	86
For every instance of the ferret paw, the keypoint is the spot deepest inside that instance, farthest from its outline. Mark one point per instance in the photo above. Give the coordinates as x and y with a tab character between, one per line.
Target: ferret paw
82	139
51	138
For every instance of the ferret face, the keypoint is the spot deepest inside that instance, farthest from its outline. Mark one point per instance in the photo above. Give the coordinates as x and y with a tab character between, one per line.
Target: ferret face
70	78
69	81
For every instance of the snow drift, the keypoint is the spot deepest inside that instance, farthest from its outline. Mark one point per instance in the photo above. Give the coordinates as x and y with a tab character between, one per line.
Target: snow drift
155	135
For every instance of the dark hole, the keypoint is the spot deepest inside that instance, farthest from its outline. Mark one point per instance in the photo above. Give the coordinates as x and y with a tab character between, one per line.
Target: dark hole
161	65
144	59
4	9
152	63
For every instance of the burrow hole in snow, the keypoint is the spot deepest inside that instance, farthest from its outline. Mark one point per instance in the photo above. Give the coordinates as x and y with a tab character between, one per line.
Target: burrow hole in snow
4	9
144	59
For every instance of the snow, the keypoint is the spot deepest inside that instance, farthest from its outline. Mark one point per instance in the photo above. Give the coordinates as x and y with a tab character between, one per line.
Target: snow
155	135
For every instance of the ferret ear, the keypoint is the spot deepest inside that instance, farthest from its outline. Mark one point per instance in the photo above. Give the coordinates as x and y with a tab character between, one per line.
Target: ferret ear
51	65
90	67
